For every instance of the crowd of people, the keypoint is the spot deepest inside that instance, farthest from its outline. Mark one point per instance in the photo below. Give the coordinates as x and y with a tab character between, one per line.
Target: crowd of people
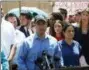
24	39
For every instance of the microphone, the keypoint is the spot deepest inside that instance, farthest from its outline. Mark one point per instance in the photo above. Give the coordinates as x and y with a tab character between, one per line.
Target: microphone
46	59
39	63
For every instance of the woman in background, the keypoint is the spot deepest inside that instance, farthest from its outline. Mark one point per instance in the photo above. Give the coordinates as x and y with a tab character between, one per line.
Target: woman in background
82	34
52	18
70	48
57	30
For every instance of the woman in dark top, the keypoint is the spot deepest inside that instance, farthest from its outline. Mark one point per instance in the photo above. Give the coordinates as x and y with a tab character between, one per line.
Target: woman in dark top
82	34
58	27
69	47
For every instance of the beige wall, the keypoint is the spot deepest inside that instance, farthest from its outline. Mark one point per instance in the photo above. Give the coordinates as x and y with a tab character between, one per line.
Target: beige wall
45	6
9	5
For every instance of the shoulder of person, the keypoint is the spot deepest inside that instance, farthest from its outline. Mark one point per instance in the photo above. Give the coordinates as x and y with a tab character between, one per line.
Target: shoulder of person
21	33
60	42
26	42
7	27
51	38
75	42
75	24
30	38
76	28
7	24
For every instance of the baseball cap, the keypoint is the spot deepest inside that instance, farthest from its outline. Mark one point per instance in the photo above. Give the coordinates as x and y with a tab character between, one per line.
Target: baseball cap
40	18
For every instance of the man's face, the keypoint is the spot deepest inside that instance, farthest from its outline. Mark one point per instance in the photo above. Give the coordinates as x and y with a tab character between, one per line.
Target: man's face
77	17
13	20
24	21
41	27
71	18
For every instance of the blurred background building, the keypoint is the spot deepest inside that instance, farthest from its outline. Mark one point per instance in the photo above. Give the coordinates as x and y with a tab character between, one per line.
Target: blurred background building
47	6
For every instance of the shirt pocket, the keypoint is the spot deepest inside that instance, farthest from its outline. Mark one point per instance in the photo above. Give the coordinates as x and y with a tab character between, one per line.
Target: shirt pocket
32	54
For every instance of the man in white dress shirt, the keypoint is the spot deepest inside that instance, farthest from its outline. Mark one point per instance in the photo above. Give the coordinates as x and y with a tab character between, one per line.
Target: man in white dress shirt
7	36
19	37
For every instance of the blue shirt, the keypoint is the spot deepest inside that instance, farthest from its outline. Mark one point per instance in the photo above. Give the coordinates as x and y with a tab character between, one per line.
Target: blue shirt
33	47
70	53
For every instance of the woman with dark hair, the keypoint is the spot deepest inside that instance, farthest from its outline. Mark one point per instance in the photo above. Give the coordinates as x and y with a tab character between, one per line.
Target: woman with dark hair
82	34
52	18
70	48
57	30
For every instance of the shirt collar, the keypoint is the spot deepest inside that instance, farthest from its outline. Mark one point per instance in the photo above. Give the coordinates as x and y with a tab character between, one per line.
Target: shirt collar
64	43
37	37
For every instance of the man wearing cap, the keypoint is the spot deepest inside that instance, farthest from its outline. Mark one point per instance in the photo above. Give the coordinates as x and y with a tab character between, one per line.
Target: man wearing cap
35	44
25	20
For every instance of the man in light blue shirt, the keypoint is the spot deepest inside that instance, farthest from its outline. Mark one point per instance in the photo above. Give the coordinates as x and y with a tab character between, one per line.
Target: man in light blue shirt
34	45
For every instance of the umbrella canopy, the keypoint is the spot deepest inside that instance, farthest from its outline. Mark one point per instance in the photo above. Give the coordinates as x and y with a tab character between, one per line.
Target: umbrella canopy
38	11
33	10
17	11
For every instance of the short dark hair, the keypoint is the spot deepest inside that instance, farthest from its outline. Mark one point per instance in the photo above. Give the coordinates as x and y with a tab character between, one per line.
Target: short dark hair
57	16
66	26
9	15
63	11
28	15
12	15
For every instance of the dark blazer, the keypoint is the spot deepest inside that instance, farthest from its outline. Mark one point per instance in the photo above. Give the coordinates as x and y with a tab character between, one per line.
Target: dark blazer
83	39
24	31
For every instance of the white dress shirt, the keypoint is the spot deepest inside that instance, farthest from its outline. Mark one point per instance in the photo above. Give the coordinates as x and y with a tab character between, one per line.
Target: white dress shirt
75	24
19	37
7	36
